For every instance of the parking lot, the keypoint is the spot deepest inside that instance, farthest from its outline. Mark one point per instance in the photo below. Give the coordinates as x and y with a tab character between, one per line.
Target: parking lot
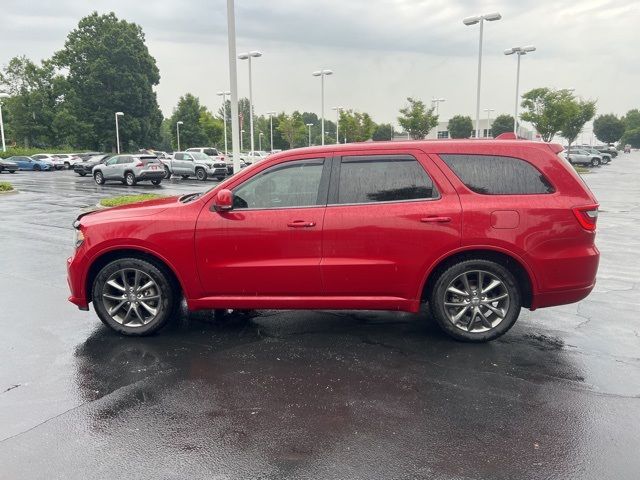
282	394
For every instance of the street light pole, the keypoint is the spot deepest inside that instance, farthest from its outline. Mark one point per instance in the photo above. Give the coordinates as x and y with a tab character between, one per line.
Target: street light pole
488	110
436	102
309	125
178	132
337	109
118	114
519	51
322	74
249	56
4	146
271	114
224	117
233	84
260	141
490	17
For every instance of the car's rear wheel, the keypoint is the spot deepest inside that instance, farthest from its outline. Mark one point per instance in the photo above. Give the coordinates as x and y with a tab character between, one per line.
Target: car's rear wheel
201	174
157	182
36	168
475	300
595	162
12	171
98	177
67	165
130	179
134	296
167	172
82	174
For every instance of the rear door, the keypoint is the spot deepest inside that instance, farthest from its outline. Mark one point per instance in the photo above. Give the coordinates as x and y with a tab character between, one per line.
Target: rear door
390	215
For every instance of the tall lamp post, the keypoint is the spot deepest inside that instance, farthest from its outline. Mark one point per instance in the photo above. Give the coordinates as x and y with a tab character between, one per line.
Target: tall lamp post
4	146
178	132
519	51
309	125
233	83
260	141
338	110
118	114
489	110
436	103
490	17
249	56
271	114
224	117
322	74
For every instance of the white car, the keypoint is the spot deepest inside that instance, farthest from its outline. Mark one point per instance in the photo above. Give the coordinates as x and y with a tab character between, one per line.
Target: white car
56	163
69	159
254	157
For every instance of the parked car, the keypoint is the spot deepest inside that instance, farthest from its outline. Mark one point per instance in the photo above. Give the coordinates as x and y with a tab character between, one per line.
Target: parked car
8	166
69	159
85	167
194	164
254	157
607	149
215	155
476	228
129	169
579	156
229	162
56	163
606	157
30	163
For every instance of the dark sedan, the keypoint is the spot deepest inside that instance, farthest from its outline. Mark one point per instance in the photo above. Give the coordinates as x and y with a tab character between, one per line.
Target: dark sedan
86	166
8	166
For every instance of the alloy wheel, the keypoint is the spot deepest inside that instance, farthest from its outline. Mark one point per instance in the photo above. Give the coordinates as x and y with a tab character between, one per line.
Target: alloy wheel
132	298
476	301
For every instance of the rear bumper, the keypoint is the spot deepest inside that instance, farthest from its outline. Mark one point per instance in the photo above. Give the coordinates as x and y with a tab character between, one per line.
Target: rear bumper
564	297
155	175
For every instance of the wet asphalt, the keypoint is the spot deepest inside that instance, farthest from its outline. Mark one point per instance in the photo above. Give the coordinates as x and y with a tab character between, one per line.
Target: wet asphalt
306	395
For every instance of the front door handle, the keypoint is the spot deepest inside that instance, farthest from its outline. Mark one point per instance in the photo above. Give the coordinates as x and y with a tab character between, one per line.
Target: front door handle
301	224
435	219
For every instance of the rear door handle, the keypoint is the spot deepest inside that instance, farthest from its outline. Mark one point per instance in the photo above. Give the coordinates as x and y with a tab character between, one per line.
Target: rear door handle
301	224
435	219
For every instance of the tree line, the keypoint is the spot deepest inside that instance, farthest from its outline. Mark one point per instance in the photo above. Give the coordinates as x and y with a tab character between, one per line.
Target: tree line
70	100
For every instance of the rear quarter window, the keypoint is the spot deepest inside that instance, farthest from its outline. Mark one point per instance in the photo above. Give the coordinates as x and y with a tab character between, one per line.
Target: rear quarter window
498	175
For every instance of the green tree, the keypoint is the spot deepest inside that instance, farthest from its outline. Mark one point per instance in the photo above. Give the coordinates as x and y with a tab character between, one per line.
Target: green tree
631	137
579	113
548	110
502	124
460	126
384	131
632	119
110	69
356	126
213	128
608	128
417	119
192	132
292	128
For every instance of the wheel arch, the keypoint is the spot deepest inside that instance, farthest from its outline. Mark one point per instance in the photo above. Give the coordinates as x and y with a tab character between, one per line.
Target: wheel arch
104	258
515	265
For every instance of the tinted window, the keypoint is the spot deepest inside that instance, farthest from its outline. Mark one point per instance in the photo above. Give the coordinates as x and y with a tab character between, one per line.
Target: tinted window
292	184
125	159
383	179
494	175
210	151
179	156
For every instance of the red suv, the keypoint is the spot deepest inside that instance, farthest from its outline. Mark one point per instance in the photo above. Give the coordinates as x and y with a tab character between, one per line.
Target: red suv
478	229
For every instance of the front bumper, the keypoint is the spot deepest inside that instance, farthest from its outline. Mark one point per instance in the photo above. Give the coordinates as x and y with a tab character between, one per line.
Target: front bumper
217	171
75	280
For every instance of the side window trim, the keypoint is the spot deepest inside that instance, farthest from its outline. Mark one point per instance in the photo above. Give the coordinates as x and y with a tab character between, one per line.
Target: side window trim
323	188
334	186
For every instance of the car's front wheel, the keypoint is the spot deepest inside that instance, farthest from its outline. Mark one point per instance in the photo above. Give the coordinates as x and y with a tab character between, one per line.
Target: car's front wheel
167	172
201	174
134	296
475	300
36	168
157	182
98	177
595	162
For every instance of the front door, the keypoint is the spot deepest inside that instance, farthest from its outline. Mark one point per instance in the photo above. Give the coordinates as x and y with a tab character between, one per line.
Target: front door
389	216
269	244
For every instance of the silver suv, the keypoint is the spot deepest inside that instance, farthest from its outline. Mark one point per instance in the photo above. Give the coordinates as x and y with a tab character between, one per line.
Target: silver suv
578	156
129	169
194	164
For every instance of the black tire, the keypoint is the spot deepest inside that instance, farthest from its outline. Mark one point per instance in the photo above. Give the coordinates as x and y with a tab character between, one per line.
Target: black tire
12	171
184	177
219	179
37	168
157	182
595	162
488	268
67	165
166	306
201	174
98	177
130	179
167	173
82	174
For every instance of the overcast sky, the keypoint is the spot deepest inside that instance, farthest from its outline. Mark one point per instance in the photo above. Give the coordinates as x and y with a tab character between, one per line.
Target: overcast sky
380	50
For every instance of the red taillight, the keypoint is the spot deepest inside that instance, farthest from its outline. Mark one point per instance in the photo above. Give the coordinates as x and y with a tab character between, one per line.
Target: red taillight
139	164
587	216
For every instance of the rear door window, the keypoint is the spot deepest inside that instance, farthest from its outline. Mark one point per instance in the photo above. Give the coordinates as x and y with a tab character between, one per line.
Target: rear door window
498	175
382	178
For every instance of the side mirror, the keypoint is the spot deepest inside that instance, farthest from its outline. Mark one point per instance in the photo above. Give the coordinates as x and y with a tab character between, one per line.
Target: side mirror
223	201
